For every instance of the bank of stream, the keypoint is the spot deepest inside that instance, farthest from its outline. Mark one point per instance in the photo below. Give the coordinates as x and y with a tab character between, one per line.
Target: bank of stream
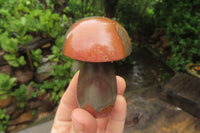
147	113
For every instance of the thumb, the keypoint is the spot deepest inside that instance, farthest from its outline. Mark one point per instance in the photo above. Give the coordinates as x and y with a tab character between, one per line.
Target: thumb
83	122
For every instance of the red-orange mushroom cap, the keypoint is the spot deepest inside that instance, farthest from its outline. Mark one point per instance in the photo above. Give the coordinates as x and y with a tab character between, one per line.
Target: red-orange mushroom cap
97	39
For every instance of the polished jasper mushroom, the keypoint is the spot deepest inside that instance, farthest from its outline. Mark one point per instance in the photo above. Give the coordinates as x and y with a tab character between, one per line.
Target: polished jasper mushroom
97	41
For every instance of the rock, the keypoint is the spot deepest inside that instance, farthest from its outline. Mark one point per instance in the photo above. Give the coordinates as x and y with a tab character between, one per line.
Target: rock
164	41
165	46
44	71
30	90
42	115
6	69
47	105
44	104
14	128
11	109
6	102
17	113
35	104
25	117
156	35
23	76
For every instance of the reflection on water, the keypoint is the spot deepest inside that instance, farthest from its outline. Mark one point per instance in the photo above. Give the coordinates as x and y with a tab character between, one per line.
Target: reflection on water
146	113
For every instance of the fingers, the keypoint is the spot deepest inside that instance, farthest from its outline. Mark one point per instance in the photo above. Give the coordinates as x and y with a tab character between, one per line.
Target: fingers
83	122
121	85
117	117
68	101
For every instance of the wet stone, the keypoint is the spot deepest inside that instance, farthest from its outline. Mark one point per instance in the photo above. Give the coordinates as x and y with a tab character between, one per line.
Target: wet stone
14	128
44	104
44	71
17	113
11	109
25	117
23	76
6	69
6	102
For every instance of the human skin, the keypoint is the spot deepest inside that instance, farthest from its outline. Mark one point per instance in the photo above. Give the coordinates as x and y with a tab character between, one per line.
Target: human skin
72	119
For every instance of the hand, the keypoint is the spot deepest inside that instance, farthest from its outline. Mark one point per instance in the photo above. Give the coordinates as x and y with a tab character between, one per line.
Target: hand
71	119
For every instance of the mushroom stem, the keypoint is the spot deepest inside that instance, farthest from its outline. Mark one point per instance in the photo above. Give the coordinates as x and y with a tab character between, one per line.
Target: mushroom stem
97	89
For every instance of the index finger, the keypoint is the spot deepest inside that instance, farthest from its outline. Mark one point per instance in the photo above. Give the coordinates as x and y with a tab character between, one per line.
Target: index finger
68	101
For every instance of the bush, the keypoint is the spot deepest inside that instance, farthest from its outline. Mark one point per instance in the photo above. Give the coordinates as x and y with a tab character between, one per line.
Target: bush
136	16
4	120
182	22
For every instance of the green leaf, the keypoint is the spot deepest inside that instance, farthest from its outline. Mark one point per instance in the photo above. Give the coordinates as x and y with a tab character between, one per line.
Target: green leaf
12	81
9	44
3	97
51	57
53	34
23	21
55	50
10	57
59	41
21	60
13	63
27	39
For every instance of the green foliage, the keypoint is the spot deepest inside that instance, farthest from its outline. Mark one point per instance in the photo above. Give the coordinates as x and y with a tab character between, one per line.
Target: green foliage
11	45
21	95
4	120
36	56
136	16
78	9
62	76
6	89
6	84
182	22
14	61
20	20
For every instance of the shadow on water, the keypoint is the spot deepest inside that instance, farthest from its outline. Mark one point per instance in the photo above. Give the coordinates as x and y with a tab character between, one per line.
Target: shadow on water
146	113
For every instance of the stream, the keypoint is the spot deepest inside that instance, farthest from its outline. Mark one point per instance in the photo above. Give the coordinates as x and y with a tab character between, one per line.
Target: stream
146	113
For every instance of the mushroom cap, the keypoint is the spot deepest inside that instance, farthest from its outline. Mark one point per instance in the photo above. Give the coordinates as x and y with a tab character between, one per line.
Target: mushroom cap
97	39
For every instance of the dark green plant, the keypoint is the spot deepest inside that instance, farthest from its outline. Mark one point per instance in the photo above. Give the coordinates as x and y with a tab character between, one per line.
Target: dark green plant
136	16
6	84
11	45
19	23
56	87
182	22
36	56
78	9
21	95
4	120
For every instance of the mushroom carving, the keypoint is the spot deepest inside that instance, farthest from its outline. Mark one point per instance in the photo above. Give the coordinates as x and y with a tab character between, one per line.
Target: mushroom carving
97	42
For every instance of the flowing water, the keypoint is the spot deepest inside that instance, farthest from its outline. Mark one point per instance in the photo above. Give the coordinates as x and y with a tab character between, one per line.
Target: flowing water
146	113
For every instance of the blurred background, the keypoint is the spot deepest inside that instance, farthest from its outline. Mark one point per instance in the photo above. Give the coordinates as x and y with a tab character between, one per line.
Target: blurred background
34	73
